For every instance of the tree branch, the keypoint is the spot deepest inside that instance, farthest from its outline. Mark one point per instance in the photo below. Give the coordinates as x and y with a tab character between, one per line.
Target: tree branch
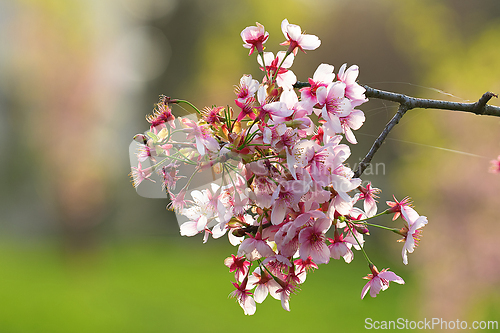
480	107
407	103
378	142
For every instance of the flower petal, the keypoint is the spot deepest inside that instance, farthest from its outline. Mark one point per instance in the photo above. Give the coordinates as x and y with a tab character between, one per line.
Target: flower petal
189	229
278	213
391	276
321	254
376	286
324	73
365	289
294	32
260	293
248	305
309	42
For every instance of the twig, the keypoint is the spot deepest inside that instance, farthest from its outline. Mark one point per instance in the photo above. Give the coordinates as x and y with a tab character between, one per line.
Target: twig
480	107
376	145
407	103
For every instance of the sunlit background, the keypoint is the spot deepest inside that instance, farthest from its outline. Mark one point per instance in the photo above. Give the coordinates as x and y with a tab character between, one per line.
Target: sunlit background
80	251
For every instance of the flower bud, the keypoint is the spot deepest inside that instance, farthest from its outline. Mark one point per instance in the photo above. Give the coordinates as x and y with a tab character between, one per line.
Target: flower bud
141	138
374	269
361	229
167	100
239	232
297	123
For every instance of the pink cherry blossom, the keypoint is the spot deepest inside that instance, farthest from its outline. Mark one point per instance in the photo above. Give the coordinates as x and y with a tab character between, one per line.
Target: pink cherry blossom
287	195
247	88
298	174
299	114
265	285
161	115
288	287
353	90
294	277
411	236
239	203
305	265
190	228
379	281
322	77
244	298
353	121
201	135
138	174
254	37
285	78
255	248
369	194
219	229
341	247
312	242
355	232
201	212
238	265
275	110
319	136
212	115
334	106
287	239
320	158
296	39
146	152
263	189
169	174
280	172
403	208
277	265
335	173
280	137
317	194
178	201
247	108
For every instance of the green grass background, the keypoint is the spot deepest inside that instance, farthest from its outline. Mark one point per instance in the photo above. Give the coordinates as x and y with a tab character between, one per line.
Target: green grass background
161	285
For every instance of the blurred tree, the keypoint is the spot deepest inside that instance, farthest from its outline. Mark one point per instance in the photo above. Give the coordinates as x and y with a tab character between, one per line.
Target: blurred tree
452	45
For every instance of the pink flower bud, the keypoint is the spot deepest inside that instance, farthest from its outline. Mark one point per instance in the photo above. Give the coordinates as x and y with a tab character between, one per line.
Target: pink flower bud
361	229
141	138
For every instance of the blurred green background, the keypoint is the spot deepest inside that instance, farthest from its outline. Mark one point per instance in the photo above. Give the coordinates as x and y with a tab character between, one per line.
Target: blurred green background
80	251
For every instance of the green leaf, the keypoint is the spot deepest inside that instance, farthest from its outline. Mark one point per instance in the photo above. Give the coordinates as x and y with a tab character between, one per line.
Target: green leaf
152	136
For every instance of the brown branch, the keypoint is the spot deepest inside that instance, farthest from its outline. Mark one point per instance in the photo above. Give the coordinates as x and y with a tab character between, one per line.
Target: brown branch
378	142
480	107
406	103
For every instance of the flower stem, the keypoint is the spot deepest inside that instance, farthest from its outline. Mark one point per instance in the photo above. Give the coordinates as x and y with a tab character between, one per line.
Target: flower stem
264	64
282	61
226	168
191	105
247	140
372	217
191	178
357	241
381	227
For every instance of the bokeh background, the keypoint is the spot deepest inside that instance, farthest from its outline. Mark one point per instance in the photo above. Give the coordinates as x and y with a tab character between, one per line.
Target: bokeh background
80	251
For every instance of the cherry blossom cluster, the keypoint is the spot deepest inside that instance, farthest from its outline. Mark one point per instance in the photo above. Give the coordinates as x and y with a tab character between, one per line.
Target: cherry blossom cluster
284	197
